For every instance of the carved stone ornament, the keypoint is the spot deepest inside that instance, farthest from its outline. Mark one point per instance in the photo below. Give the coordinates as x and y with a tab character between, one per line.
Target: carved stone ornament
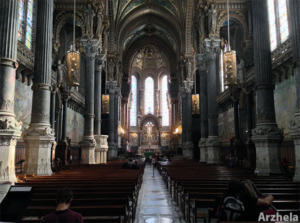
35	130
88	142
202	142
10	123
187	86
267	130
213	141
212	47
295	126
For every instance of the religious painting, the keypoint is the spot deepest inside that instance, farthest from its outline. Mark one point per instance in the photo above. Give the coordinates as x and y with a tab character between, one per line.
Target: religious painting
195	104
105	104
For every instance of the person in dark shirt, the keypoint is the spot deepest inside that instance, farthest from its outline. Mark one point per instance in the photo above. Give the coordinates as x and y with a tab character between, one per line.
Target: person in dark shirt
63	214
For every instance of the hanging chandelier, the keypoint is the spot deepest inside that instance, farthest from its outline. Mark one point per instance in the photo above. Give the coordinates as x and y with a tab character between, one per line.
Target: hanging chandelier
73	59
229	58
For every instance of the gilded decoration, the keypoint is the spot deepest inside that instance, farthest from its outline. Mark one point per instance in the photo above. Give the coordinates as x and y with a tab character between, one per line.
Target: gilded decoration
148	58
195	104
105	104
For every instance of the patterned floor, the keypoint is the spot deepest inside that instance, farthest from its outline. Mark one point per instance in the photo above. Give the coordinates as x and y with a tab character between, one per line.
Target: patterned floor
154	203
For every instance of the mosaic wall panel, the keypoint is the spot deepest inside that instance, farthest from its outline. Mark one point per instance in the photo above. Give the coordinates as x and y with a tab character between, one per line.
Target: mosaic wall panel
23	103
285	103
75	126
226	125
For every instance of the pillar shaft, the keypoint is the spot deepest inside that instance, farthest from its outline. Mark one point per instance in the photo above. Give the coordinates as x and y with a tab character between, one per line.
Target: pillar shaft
202	67
212	47
53	109
98	96
266	135
9	127
39	137
65	117
186	103
113	118
294	7
90	49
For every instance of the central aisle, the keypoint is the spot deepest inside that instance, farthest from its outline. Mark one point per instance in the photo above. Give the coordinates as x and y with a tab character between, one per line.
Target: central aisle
155	204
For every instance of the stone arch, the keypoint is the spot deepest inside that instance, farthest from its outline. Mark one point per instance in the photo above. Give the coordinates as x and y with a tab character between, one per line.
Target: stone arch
60	21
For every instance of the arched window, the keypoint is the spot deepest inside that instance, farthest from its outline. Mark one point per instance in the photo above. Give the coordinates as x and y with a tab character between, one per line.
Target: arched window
164	101
278	22
25	22
133	101
149	96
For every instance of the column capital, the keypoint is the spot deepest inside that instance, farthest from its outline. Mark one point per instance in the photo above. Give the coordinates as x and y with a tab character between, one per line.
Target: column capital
212	47
112	87
201	59
100	59
187	86
90	47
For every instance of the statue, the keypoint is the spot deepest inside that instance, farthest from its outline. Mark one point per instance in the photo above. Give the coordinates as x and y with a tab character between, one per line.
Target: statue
212	20
188	65
60	73
89	15
241	71
100	21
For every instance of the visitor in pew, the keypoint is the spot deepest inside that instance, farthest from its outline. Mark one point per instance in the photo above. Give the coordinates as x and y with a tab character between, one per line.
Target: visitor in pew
63	214
243	202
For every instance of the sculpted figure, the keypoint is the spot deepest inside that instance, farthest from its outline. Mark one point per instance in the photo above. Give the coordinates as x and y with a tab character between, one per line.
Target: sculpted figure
212	19
89	15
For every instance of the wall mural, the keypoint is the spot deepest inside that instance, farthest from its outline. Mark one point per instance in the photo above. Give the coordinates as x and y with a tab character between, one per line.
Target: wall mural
23	103
285	103
75	125
226	125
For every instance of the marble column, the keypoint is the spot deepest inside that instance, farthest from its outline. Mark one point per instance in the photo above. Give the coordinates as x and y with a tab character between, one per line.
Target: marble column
212	47
39	137
90	49
201	64
113	122
266	135
65	117
186	103
294	7
53	107
101	141
10	129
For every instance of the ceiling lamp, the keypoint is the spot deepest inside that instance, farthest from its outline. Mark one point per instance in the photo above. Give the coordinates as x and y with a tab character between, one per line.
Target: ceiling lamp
230	71
73	59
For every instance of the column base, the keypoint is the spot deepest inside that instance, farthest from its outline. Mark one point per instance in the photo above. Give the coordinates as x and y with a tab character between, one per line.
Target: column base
203	150
88	145
295	133
112	153
38	142
213	150
267	138
8	141
101	149
187	150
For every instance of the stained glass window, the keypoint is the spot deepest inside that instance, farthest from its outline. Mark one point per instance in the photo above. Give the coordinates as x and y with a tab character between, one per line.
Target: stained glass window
272	24
21	19
29	23
149	96
283	20
133	103
164	101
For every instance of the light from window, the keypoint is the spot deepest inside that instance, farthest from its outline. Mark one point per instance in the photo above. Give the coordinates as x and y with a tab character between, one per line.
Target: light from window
29	24
21	19
149	95
133	103
164	101
283	20
222	72
272	24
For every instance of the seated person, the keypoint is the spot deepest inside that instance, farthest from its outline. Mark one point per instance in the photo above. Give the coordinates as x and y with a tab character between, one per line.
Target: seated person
243	202
63	214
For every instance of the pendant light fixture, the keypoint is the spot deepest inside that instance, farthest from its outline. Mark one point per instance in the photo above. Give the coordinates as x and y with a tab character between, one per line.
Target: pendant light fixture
230	71
73	59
